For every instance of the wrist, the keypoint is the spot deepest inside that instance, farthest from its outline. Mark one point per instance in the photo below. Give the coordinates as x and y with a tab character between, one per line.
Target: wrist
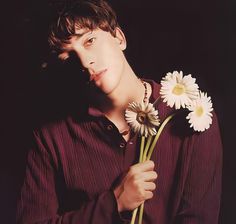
117	193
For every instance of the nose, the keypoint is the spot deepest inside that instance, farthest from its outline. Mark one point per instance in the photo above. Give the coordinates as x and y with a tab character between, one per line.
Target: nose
87	62
87	59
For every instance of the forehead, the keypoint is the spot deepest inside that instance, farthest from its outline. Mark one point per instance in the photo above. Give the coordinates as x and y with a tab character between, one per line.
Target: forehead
79	32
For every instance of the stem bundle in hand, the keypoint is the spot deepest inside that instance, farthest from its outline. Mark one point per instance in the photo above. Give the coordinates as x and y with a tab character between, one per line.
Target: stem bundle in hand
146	149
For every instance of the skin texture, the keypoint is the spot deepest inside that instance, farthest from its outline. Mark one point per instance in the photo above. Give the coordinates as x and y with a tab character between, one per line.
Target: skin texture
98	51
101	54
136	187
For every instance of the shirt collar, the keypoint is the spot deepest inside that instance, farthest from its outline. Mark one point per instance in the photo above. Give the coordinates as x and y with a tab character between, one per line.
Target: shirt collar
155	90
94	112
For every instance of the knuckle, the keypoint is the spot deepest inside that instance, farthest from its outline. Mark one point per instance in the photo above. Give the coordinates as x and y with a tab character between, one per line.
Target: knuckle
141	196
152	164
153	186
132	171
155	174
140	190
149	195
135	182
136	177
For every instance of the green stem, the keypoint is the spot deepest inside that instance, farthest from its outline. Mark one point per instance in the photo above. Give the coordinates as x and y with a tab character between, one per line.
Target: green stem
141	209
145	154
146	148
158	135
134	213
141	149
156	100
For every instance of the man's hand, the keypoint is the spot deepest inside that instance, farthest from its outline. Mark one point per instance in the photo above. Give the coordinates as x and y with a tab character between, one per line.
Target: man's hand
136	187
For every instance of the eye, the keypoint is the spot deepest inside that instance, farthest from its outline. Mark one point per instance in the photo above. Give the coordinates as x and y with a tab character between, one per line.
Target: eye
89	42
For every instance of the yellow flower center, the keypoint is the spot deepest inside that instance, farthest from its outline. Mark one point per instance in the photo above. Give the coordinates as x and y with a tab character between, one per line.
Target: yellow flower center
178	89
199	111
141	117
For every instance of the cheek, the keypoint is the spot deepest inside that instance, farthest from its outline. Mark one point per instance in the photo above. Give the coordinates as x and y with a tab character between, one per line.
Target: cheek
110	53
113	77
116	62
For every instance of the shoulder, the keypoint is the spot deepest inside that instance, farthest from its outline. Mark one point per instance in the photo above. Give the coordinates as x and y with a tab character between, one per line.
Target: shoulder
211	136
52	134
155	87
206	146
51	127
56	126
51	139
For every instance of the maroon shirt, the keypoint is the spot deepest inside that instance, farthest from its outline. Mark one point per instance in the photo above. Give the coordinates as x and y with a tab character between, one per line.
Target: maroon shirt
76	163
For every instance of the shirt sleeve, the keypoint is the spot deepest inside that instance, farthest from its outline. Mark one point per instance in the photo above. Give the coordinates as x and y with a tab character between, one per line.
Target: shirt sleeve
38	201
200	203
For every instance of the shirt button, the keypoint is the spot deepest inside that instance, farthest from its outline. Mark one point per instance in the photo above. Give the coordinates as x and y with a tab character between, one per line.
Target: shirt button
122	145
131	143
109	127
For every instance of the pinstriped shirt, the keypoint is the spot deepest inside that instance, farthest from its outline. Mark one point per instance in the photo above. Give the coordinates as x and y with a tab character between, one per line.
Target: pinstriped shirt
75	163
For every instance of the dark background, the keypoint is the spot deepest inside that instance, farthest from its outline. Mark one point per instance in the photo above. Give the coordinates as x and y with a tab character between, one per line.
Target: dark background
197	37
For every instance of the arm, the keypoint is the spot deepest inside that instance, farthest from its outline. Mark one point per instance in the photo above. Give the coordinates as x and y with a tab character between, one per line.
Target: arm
200	202
39	203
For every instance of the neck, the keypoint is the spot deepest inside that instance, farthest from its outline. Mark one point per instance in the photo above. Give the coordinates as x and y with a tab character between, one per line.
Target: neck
114	104
129	89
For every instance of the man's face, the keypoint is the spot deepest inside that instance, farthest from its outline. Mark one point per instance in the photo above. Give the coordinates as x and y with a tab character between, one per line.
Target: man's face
101	54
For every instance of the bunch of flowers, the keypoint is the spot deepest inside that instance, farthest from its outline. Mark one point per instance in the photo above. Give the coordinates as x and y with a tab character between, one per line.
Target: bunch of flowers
177	91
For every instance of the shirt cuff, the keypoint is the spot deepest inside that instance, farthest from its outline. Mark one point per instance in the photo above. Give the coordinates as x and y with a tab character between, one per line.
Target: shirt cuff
124	216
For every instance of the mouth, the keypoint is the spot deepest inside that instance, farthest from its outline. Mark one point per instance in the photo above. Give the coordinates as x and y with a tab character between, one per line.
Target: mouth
96	76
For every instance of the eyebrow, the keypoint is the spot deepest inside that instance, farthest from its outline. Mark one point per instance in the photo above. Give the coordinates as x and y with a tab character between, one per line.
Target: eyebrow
79	35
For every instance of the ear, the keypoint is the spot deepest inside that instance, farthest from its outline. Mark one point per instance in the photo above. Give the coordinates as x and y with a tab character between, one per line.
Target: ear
120	37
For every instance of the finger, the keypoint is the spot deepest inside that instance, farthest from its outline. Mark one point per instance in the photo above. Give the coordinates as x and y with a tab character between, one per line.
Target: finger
148	195
146	176
150	176
144	166
149	186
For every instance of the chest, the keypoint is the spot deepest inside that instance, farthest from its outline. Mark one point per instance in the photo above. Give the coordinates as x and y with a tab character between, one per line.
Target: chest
93	159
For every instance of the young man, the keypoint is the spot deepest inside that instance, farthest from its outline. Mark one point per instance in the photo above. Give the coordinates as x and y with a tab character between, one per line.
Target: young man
84	169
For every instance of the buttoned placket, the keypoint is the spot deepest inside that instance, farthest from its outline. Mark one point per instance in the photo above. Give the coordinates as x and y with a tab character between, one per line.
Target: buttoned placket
128	148
122	143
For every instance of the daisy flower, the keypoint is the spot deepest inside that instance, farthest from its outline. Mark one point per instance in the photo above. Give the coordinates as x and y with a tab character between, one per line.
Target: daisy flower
142	117
178	90
200	116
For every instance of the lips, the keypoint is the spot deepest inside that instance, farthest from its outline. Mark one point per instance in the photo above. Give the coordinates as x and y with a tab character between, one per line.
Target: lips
96	76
